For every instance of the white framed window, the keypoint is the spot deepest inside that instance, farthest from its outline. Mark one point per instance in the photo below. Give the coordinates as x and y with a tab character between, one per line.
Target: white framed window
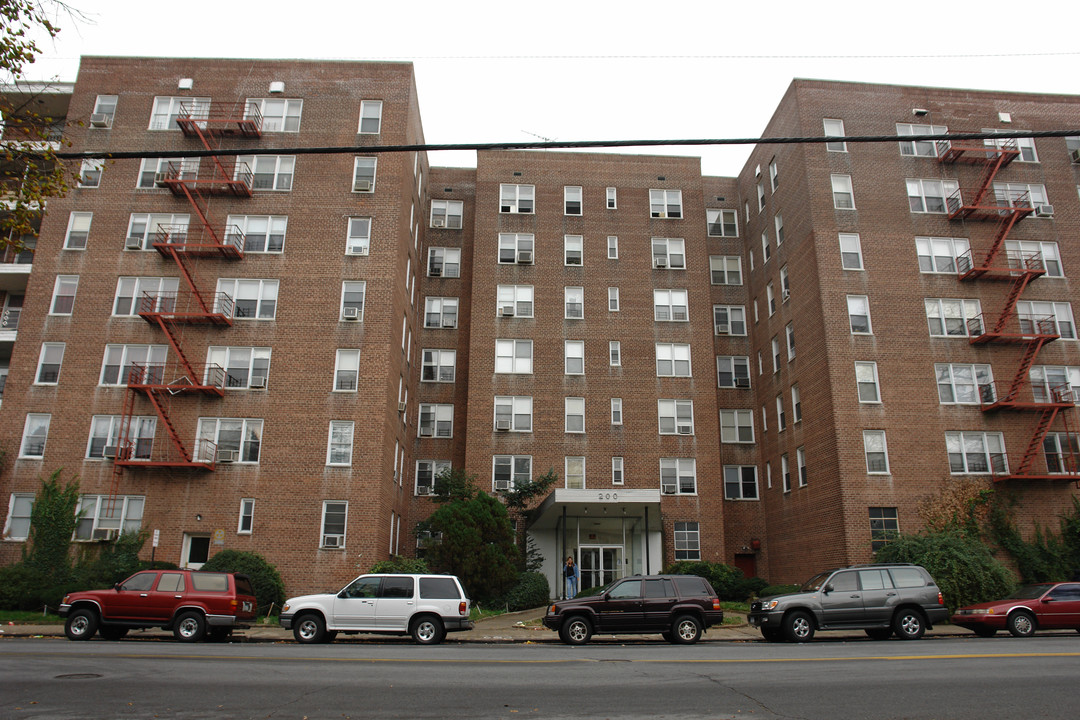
571	200
278	114
447	214
438	365
257	233
669	253
358	239
920	148
145	229
725	269
770	297
574	357
859	315
618	473
963	384
514	301
1026	146
834	128
866	378
245	367
781	415
614	353
785	472
876	451
729	319
246	521
63	297
675	417
785	284
768	476
774	178
1024	254
167	109
843	195
678	476
976	453
850	251
513	414
514	357
517	198
941	254
573	250
333	524
50	359
17	525
789	331
687	539
616	411
346	370
611	199
673	360
574	414
1050	382
766	252
930	196
253	299
733	371
104	111
760	197
1044	317
370	117
98	514
444	262
952	317
153	169
575	472
90	173
1020	195
240	436
436	421
670	306
775	354
364	174
268	172
740	482
764	420
613	299
339	444
665	204
778	223
613	247
796	404
105	437
516	248
441	312
800	461
120	362
78	230
428	475
509	471
574	303
736	426
722	223
1058	450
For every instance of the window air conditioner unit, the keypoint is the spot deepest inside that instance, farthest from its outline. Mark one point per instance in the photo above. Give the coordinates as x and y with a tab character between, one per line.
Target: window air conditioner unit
109	534
99	120
423	489
507	311
332	541
134	242
660	262
426	431
1044	211
685	430
502	425
160	178
257	383
449	322
362	186
436	271
524	257
668	489
1076	155
350	313
723	329
741	382
438	222
502	484
110	452
786	295
401	407
226	456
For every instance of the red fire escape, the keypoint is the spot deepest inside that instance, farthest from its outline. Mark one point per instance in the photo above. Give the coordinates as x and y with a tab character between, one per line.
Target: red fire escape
1028	332
171	312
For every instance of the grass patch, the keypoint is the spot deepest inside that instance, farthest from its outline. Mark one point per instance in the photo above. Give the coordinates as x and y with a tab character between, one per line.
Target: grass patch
29	617
731	606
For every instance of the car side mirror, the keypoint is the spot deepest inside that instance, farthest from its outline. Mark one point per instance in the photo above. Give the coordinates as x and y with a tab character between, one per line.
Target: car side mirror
1048	599
116	587
828	588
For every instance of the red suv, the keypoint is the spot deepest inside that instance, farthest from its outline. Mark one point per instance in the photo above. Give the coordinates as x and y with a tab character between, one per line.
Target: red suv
192	604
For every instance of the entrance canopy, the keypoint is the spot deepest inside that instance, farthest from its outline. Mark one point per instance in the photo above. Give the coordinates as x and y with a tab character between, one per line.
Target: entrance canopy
606	504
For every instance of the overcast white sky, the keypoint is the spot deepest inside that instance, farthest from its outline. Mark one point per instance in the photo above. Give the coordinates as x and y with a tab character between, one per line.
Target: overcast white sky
501	71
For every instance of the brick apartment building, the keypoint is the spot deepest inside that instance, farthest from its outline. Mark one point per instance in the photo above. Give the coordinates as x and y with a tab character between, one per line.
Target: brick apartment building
280	351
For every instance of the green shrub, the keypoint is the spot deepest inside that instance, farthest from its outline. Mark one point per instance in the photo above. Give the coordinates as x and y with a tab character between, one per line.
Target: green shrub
21	588
530	591
728	582
265	580
399	564
115	561
965	570
770	590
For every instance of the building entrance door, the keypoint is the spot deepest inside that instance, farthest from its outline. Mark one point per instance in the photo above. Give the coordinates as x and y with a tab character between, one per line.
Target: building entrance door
600	565
196	551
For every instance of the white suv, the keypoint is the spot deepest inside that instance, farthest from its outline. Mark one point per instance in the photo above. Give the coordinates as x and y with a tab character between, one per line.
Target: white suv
424	606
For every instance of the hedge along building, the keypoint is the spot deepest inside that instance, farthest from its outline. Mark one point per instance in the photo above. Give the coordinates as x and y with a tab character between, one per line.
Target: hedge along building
279	352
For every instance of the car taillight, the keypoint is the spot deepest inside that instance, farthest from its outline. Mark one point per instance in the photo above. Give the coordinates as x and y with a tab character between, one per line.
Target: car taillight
462	608
233	604
940	598
716	603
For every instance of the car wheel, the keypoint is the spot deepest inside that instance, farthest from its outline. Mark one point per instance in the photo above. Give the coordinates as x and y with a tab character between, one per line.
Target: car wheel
427	630
309	628
985	631
909	624
686	629
879	633
219	634
575	630
112	632
772	634
81	625
190	627
1021	624
799	627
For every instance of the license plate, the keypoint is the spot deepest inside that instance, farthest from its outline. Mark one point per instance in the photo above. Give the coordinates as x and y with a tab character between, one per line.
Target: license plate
247	606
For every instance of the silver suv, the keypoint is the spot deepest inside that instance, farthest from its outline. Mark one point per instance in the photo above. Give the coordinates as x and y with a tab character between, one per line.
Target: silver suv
424	606
880	599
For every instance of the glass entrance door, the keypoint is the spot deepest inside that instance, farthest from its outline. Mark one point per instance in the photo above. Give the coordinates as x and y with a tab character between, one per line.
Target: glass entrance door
600	565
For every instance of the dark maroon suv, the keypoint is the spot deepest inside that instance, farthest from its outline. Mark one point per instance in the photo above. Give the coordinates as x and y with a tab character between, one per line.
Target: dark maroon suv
192	604
679	607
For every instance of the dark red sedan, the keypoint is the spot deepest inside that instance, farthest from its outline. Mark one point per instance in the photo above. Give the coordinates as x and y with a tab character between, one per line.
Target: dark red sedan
1045	606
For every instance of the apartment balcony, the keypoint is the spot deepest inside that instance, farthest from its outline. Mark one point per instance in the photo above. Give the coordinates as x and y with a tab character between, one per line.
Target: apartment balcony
1013	328
187	308
220	176
984	203
221	119
178	378
137	453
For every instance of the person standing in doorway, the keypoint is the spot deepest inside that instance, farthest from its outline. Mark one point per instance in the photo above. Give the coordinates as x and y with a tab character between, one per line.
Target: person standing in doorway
573	574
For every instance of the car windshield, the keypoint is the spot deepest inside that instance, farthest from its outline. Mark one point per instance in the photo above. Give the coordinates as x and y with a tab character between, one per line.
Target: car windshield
815	583
1029	592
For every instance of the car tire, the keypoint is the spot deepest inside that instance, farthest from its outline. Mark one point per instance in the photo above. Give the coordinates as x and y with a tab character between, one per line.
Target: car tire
985	632
1021	624
879	633
575	630
686	630
799	627
81	624
190	627
909	624
772	634
427	630
111	632
309	629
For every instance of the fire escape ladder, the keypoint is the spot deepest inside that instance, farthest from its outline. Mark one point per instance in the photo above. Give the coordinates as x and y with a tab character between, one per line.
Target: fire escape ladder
1005	226
197	202
1046	419
177	255
1020	283
1020	378
993	165
174	343
163	415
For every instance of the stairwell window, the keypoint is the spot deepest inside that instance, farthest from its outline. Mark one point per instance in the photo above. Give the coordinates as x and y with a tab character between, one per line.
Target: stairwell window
673	360
441	312
919	148
665	204
962	384
930	196
145	229
252	299
142	363
740	482
242	436
447	214
800	463
616	411
850	251
346	370
245	367
278	114
976	453
613	247
105	433
63	298
615	353
167	109
949	317
50	359
574	468
268	172
358	241
884	527
834	128
796	404
618	473
370	117
257	233
611	198
247	516
942	255
339	445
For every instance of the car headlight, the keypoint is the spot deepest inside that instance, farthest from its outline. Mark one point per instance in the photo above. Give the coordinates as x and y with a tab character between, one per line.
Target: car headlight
769	605
982	611
285	607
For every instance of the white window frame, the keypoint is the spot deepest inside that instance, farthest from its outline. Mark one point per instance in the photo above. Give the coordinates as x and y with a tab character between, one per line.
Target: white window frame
876	452
919	148
571	474
17	523
146	227
613	299
275	120
512	245
517	199
240	289
781	414
722	222
730	365
339	443
246	521
737	426
745	479
669	253
665	204
677	357
930	195
573	415
618	470
151	357
941	255
440	423
513	471
508	361
965	383
1046	379
256	365
851	251
612	199
209	431
123	513
671	305
800	465
866	378
65	286
573	357
778	224
729	316
365	170
843	193
613	247
167	109
520	412
430	470
1033	313
853	304
281	170
371	112
834	127
573	250
674	416
446	260
334	508
90	172
441	313
346	367
52	353
614	353
789	332
573	303
616	411
573	200
520	297
269	230
78	230
796	404
992	448
1048	253
446	214
105	431
358	236
681	474
179	168
957	310
725	270
105	105
440	364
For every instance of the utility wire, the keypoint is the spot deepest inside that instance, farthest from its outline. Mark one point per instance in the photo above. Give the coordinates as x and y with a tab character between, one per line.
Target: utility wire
569	144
